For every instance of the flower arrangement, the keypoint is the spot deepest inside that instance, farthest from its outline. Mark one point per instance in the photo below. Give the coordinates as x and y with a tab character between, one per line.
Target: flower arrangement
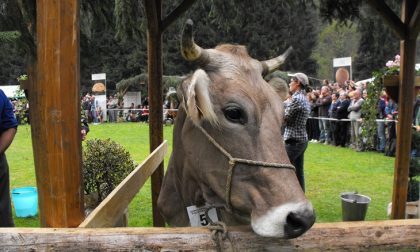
393	67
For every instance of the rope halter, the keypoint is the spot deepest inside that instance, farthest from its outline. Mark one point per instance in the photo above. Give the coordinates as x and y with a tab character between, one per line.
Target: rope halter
233	161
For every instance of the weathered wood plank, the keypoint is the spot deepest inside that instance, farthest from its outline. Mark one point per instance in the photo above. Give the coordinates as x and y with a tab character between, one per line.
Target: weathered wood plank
360	236
113	206
55	114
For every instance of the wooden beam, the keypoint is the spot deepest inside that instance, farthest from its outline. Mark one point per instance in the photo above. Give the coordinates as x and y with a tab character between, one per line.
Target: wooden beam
405	120
113	206
155	90
176	13
393	21
414	25
349	236
55	114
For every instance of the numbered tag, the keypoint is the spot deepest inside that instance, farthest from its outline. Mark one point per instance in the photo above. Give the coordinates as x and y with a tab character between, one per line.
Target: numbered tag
197	216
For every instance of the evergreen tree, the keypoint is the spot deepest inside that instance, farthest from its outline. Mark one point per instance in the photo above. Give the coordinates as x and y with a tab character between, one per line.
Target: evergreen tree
377	45
102	51
11	65
335	41
266	28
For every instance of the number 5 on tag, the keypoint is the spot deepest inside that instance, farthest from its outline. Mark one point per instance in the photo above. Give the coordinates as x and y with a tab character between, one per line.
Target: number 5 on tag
197	216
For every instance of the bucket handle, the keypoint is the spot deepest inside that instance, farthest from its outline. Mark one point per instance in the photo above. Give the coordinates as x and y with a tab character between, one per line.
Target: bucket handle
351	201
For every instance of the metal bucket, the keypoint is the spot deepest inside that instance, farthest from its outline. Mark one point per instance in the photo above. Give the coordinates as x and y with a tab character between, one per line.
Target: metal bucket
354	206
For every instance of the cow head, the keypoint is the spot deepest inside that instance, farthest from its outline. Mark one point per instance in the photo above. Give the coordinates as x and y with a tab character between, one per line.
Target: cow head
228	99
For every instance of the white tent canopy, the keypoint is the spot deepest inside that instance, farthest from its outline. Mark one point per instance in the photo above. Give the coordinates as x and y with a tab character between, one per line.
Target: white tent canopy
10	91
359	83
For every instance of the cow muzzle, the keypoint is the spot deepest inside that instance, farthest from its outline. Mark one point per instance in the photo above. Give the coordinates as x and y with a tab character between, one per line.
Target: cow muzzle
286	221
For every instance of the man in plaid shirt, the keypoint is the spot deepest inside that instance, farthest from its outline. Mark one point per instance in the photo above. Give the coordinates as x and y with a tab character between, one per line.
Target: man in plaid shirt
296	113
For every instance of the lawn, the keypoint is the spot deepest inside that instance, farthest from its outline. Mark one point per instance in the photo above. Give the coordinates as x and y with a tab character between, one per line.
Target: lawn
329	171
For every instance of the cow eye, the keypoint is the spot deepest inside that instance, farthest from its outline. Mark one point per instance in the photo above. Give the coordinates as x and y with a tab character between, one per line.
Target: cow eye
234	114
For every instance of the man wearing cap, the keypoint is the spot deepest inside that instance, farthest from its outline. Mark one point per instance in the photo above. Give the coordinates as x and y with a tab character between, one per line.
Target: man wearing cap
8	127
295	117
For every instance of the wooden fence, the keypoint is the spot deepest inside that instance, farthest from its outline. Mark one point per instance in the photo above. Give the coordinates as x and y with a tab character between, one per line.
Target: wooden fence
350	236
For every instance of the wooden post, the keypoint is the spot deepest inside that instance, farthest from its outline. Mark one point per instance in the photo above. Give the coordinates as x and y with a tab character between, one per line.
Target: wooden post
55	114
405	112
155	28
155	69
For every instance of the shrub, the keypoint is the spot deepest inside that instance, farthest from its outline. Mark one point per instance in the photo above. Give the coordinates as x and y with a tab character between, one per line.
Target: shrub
105	165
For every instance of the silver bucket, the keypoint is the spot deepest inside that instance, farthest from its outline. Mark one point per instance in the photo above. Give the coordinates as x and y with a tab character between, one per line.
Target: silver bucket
354	206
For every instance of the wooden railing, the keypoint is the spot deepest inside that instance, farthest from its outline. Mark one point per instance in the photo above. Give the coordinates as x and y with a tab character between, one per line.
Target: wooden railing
112	207
349	236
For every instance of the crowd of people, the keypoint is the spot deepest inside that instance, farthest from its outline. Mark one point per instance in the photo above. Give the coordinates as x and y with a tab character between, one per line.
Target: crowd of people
115	110
333	114
336	115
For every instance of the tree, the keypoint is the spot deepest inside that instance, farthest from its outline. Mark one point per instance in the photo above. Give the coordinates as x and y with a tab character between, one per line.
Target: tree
377	45
16	43
103	50
265	31
335	41
12	64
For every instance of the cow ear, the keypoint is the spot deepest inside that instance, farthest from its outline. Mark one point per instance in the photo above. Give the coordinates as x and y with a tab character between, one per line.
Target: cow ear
196	97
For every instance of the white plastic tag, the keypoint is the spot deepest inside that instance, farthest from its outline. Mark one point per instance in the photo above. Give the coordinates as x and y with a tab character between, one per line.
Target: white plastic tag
197	216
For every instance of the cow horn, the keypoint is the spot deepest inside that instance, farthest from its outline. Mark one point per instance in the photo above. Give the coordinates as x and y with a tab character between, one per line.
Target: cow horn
189	49
272	64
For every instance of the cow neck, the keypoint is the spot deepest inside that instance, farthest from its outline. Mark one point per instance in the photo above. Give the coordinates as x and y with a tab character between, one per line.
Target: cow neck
232	163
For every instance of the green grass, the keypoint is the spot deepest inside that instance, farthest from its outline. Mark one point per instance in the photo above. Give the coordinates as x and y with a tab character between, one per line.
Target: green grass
332	170
328	172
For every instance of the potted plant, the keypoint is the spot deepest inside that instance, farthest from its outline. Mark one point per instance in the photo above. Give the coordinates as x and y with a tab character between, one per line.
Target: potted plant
105	165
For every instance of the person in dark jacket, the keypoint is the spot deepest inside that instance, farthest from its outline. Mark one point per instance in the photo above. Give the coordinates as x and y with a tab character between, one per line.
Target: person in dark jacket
332	112
8	128
341	130
416	111
312	126
380	115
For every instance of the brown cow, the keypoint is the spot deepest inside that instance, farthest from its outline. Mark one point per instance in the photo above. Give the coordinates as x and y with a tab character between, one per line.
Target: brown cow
228	149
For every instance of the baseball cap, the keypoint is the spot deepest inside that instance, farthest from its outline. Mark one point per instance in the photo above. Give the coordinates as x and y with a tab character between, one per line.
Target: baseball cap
301	77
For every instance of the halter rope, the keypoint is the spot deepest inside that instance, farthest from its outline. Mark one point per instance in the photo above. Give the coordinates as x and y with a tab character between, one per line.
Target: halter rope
233	161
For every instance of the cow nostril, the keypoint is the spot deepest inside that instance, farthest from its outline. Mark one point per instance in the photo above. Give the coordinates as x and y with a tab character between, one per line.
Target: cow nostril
297	223
294	221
